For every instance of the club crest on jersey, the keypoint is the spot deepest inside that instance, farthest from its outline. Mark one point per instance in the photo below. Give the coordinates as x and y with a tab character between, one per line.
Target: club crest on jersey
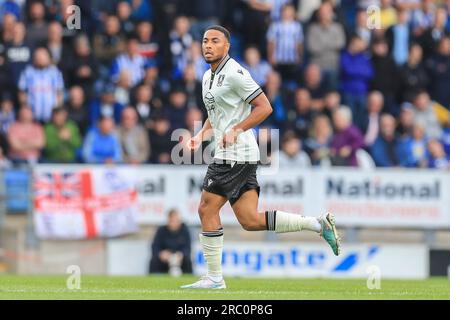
210	102
240	71
220	80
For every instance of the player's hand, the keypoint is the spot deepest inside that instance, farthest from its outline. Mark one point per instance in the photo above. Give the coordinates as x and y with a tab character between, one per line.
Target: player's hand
229	138
194	143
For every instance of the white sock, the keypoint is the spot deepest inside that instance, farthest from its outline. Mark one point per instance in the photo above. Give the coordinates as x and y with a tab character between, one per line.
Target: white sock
281	222
212	244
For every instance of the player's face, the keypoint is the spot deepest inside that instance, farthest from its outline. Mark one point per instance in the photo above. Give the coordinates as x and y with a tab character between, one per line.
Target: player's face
215	46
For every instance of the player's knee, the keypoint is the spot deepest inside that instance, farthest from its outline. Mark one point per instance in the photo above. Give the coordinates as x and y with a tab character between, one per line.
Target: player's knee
249	225
203	210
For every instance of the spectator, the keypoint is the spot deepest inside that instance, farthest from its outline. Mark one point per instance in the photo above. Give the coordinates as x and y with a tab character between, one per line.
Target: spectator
385	77
123	12
133	138
160	140
356	72
77	109
109	43
18	53
7	115
130	61
285	44
375	102
105	106
191	85
430	39
258	68
55	43
301	117
82	70
144	105
37	27
25	138
41	85
422	18
439	71
437	157
62	138
276	95
361	28
177	108
424	112
398	37
312	80
413	76
387	150
346	140
141	10
324	41
318	144
123	88
291	153
171	247
332	102
101	144
180	42
7	30
418	146
148	43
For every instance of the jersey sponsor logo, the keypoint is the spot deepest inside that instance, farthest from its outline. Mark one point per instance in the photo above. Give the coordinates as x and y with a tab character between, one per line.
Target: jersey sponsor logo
220	80
210	102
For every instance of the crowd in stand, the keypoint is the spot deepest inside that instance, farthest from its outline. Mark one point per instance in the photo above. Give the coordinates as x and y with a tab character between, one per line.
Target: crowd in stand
351	82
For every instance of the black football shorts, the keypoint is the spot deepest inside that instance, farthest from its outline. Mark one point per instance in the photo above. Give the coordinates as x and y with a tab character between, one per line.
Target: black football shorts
230	180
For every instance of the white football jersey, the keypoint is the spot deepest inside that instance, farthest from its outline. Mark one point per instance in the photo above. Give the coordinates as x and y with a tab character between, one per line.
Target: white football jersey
227	94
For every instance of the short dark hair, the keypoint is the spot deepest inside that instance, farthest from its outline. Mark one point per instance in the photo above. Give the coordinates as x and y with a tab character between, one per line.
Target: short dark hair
225	32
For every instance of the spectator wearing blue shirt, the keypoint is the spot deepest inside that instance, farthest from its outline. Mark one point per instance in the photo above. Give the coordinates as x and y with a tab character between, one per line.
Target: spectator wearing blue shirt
105	106
437	157
18	52
356	73
101	144
258	68
388	150
398	37
41	85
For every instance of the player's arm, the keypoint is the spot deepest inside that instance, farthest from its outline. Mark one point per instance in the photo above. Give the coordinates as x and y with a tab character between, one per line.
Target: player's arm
261	110
204	134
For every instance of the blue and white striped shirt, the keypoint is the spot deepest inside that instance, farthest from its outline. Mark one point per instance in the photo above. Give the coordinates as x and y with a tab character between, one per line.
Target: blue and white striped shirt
277	6
135	66
286	37
41	86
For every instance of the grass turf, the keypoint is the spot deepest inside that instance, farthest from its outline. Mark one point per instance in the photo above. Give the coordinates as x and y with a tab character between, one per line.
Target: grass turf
163	287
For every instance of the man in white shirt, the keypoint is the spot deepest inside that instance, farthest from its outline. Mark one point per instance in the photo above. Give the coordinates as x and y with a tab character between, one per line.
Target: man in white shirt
229	93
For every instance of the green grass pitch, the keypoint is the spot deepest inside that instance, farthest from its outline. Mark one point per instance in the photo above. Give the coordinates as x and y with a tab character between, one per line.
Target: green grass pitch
164	287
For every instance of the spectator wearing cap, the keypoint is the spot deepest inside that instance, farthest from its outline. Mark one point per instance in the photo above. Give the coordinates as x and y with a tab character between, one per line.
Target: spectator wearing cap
101	144
62	138
41	85
133	138
130	61
347	139
26	138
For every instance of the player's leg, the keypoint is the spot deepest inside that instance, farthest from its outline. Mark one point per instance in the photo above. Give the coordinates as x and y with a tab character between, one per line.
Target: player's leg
211	240
245	209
